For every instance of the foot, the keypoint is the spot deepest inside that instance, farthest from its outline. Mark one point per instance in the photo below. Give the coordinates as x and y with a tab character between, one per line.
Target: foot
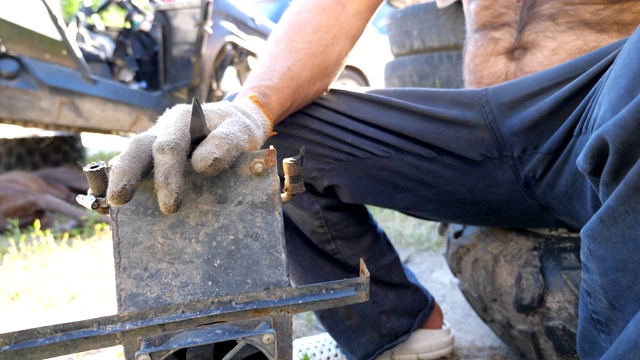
435	320
433	340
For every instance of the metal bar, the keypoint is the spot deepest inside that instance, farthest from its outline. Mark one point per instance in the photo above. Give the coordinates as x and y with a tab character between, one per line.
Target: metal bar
227	238
72	48
90	334
206	335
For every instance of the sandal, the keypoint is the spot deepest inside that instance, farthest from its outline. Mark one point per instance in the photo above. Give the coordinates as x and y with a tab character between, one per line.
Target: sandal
422	344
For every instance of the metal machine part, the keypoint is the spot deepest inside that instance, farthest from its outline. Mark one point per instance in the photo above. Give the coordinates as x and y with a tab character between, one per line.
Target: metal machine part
208	282
84	78
97	174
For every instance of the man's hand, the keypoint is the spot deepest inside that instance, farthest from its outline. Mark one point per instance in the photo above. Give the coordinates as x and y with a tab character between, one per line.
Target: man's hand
233	127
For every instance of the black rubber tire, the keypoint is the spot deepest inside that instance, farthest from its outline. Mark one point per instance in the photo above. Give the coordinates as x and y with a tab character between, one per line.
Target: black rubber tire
424	28
524	285
441	69
32	153
352	77
427	45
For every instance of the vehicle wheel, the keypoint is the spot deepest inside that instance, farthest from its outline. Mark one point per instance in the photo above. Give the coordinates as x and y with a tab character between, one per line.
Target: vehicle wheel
427	45
231	72
442	69
524	285
424	28
351	77
36	152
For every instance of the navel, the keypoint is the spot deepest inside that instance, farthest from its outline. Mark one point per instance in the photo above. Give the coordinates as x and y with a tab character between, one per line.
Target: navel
517	53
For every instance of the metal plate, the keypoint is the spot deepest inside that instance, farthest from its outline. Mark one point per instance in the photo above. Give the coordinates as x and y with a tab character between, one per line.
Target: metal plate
227	238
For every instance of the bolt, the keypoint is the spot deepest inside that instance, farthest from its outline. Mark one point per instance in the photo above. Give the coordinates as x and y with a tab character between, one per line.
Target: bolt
144	357
9	68
258	166
268	338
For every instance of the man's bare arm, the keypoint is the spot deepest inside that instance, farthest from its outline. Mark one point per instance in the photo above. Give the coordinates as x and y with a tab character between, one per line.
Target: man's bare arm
306	52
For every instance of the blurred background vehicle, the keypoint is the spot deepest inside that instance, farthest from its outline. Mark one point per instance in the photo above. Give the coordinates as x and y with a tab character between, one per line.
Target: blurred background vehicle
114	66
366	62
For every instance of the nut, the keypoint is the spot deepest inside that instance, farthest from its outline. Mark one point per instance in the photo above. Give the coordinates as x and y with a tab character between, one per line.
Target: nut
268	338
258	166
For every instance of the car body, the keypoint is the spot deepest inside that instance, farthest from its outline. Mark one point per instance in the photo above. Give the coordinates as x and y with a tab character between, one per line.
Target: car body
54	78
365	63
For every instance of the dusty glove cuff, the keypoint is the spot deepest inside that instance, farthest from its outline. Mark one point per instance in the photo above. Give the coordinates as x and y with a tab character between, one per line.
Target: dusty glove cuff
254	99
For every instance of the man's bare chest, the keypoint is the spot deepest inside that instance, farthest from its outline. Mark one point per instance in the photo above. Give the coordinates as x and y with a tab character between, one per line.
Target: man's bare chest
509	39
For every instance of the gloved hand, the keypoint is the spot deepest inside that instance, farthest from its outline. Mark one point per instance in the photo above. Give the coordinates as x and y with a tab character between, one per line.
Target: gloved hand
234	127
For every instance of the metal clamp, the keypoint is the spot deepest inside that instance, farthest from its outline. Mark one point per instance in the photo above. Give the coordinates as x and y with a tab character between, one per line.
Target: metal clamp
293	181
97	174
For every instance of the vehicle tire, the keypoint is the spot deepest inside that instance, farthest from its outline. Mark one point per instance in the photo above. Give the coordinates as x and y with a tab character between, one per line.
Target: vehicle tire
427	45
524	285
424	28
351	77
442	69
36	152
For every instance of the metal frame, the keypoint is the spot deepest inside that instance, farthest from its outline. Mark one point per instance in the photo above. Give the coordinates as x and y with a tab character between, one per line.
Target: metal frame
215	271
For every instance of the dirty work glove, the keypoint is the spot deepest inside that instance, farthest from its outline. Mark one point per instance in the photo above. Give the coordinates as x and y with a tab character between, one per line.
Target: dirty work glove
233	128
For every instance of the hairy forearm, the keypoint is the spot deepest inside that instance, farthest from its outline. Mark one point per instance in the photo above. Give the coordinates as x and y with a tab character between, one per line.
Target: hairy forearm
306	52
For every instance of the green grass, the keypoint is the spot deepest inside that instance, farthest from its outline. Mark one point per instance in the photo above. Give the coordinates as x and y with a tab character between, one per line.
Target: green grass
405	230
101	156
48	278
113	16
34	239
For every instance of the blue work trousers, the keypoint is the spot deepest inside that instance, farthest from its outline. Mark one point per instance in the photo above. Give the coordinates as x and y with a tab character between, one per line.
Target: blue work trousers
558	148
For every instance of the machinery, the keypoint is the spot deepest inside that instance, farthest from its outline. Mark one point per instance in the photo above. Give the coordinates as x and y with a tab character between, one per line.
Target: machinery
208	282
85	76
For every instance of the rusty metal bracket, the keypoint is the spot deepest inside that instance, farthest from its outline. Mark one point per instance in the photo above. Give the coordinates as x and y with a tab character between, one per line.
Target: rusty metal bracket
214	271
293	180
62	339
97	174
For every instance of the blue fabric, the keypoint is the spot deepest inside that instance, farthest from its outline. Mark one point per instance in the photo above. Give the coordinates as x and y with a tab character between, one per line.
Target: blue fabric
554	149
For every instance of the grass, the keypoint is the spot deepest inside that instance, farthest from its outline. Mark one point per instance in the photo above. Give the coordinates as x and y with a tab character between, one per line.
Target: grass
408	231
27	256
101	155
34	239
48	278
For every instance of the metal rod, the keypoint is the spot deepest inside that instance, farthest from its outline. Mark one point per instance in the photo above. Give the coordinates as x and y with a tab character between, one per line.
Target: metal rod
62	339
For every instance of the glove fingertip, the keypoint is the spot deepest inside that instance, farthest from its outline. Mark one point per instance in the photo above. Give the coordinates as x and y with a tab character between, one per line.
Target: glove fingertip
169	184
209	166
169	196
169	206
122	193
128	168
